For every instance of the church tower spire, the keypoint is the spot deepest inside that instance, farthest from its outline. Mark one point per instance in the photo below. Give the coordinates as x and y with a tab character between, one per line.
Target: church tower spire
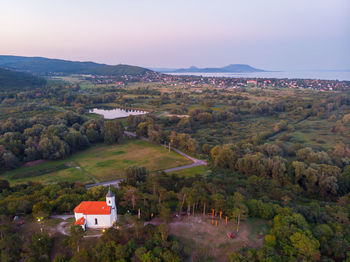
110	198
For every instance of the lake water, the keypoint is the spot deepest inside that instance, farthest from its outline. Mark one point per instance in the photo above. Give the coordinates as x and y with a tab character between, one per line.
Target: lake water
323	75
117	112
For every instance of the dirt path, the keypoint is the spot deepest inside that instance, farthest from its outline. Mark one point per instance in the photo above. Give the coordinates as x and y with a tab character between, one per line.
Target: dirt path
60	228
63	217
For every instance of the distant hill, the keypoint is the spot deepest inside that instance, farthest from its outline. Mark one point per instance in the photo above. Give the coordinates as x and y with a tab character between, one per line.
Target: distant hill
233	68
13	79
45	66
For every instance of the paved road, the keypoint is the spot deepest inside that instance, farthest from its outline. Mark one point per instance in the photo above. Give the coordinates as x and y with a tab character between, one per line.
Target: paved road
163	114
198	163
114	183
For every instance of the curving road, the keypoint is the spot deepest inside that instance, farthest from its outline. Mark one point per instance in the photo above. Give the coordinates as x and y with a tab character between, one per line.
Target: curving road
196	162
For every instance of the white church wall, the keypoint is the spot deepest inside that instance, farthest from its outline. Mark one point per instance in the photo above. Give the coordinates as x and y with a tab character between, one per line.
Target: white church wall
114	215
102	221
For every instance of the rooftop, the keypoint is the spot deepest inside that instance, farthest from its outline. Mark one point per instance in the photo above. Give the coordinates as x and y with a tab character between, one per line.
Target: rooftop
93	208
110	193
80	221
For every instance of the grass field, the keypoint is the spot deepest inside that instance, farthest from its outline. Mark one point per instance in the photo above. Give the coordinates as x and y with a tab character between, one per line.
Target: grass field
99	163
315	133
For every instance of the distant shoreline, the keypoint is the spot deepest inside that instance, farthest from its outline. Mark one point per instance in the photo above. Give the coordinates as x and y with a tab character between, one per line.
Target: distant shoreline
319	75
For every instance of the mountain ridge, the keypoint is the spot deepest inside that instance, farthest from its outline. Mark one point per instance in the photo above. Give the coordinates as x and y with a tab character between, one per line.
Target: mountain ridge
231	68
43	65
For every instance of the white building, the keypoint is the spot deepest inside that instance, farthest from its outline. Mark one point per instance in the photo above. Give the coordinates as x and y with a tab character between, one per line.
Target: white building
97	214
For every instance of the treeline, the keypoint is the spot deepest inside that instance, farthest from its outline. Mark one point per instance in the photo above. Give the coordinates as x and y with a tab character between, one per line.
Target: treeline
146	126
13	79
52	137
317	174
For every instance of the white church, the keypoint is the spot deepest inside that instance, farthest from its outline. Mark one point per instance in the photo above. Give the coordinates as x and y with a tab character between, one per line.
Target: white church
97	214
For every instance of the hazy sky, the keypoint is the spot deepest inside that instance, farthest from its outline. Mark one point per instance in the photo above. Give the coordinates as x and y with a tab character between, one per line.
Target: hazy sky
269	34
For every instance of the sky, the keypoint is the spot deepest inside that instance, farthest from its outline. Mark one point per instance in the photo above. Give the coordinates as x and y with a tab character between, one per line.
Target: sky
267	34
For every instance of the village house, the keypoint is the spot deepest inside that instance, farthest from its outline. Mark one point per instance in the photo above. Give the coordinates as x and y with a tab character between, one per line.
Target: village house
97	214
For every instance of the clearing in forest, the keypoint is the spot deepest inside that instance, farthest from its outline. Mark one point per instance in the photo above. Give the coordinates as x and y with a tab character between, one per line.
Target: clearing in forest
99	163
207	241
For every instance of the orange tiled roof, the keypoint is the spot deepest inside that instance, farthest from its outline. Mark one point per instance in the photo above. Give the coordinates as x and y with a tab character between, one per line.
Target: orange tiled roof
93	208
80	221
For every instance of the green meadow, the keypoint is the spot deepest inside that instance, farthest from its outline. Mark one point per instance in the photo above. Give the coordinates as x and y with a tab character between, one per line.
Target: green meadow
99	163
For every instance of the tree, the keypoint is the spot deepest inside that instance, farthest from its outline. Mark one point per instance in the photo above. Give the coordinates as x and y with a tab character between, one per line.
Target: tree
223	157
41	210
307	247
40	246
239	210
343	181
52	147
135	175
164	213
32	150
235	257
81	256
270	240
61	258
140	252
8	160
108	252
131	195
4	185
346	118
76	235
10	241
76	141
205	117
164	231
280	126
153	135
113	131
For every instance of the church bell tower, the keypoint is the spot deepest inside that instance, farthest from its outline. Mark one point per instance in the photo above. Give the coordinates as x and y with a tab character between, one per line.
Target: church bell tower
110	200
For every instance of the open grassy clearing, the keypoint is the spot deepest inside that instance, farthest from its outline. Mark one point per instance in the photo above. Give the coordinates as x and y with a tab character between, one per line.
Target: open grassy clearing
99	163
315	133
208	242
22	110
